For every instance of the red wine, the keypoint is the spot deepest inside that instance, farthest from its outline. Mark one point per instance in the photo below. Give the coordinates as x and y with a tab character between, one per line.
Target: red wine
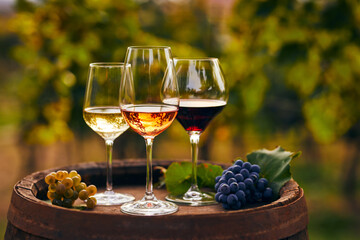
196	114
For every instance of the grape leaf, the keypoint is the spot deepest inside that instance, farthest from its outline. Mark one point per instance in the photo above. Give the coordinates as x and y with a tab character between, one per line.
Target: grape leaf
206	174
274	164
178	176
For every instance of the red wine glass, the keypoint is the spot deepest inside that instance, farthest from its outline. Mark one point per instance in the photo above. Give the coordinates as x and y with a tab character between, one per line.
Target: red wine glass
203	94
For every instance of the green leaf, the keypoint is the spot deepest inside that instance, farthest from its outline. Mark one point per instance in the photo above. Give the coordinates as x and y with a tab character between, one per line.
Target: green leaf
274	165
178	176
206	174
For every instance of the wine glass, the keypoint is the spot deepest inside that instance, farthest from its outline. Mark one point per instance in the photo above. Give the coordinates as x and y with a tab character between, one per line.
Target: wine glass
102	114
203	94
149	100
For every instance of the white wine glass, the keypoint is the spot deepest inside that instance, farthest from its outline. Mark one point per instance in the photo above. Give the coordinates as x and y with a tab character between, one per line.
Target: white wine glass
102	114
149	100
203	94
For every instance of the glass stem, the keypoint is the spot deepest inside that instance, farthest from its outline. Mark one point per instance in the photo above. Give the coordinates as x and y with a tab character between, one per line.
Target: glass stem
149	195
109	184
194	140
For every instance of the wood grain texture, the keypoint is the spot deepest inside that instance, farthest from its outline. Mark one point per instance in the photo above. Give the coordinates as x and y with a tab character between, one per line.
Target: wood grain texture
29	217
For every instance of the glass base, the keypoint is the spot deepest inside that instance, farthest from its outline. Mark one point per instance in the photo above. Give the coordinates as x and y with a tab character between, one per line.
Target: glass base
109	198
149	207
193	198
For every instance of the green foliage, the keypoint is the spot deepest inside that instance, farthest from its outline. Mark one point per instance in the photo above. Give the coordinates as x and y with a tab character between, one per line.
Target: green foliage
274	165
59	38
311	47
178	176
284	59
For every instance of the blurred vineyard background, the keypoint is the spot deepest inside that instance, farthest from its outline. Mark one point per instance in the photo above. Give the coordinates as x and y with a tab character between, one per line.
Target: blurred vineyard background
293	67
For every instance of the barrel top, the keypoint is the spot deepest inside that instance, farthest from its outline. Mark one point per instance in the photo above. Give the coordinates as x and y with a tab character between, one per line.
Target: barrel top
29	212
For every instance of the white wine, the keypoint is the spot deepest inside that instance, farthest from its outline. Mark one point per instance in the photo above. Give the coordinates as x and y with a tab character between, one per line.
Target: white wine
107	121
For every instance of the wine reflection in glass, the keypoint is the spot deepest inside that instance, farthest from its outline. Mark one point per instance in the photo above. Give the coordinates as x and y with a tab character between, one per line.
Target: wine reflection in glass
102	114
149	100
203	94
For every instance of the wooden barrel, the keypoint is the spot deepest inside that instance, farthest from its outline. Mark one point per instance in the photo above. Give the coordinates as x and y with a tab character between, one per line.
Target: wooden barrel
30	217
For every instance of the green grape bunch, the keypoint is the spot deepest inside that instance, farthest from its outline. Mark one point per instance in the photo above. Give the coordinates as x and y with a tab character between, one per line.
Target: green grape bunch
65	187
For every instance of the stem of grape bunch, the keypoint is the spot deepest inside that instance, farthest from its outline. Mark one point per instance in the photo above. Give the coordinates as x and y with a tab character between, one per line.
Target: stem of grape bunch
149	195
109	184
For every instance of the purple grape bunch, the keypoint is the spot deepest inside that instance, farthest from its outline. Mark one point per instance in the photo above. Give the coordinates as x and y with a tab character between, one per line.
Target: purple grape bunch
241	184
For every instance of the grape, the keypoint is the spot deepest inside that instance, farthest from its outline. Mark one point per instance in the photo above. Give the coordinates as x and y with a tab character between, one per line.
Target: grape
268	194
224	188
247	166
232	199
255	168
73	173
60	175
265	181
94	199
254	176
57	202
83	195
80	187
52	187
241	196
60	189
239	163
66	174
217	196
90	203
76	180
236	169
67	202
222	180
50	179
242	186
249	183
50	195
69	193
229	175
91	190
217	186
68	182
75	195
230	169
222	198
58	196
234	187
231	180
217	179
239	177
244	172
261	184
257	195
